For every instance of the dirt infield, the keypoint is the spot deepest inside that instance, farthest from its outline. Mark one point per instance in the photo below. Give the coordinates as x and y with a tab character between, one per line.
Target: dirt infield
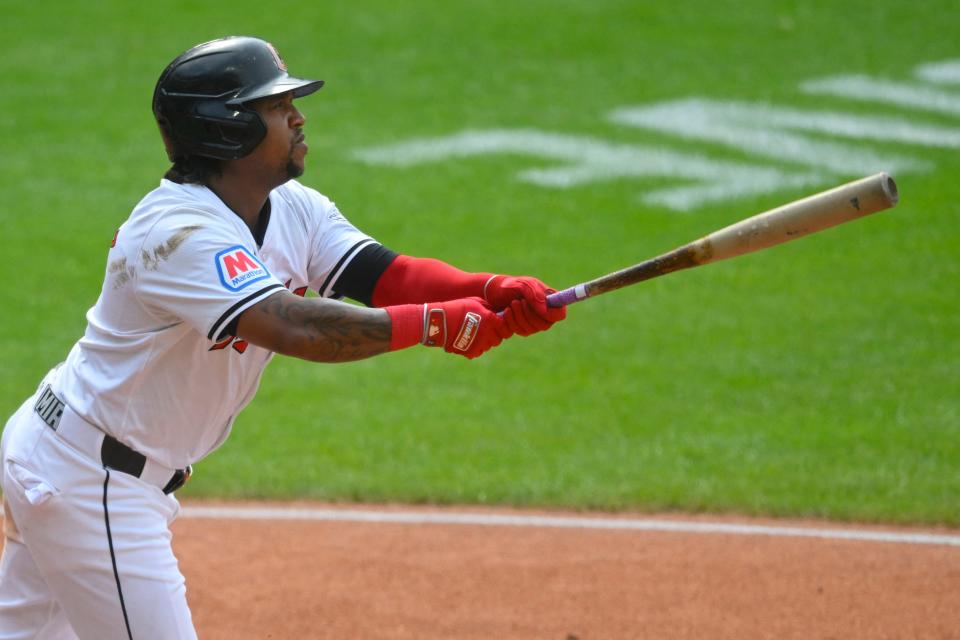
351	579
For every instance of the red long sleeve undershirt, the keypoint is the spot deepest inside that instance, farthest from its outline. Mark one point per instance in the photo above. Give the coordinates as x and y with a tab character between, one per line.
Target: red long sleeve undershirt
410	280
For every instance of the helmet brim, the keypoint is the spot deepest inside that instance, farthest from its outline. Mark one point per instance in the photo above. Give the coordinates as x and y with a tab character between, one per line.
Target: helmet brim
283	84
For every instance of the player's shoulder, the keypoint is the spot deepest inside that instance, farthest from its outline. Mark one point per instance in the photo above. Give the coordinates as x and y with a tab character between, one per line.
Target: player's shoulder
296	189
179	200
171	208
304	200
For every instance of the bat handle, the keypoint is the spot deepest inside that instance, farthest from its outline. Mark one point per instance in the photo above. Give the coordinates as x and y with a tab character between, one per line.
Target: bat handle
563	298
567	296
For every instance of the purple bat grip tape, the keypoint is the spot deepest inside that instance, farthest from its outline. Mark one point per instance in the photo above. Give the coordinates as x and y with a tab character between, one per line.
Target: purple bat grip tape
567	296
563	298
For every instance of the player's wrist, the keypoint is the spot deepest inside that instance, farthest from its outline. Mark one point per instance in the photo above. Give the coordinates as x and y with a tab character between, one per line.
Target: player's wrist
474	285
407	325
491	280
467	285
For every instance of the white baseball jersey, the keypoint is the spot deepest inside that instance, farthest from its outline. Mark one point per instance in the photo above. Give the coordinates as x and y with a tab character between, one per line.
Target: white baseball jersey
154	368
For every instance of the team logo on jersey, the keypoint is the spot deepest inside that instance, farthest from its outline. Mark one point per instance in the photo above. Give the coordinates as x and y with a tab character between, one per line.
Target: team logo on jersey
238	268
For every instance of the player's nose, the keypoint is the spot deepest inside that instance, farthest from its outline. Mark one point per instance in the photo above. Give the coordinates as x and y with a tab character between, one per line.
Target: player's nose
297	119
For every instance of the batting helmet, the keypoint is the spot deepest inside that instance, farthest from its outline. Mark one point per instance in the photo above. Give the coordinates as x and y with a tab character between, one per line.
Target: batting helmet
200	101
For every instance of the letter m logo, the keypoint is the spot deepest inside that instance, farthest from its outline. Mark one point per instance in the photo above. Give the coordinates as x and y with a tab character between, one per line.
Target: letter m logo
238	262
238	268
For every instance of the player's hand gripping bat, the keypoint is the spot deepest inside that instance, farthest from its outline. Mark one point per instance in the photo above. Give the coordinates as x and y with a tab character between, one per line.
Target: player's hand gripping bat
793	220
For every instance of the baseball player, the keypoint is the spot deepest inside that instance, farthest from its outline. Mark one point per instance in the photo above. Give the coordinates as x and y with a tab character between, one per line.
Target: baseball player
204	282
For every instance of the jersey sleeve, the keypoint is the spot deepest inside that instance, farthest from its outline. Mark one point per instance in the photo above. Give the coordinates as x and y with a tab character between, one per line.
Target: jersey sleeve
198	270
359	278
334	241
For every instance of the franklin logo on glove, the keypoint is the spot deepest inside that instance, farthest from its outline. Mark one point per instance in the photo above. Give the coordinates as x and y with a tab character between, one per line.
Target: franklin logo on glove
468	331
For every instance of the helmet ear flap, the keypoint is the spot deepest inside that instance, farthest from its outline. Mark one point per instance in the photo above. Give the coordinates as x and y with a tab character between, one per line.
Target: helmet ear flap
252	134
230	132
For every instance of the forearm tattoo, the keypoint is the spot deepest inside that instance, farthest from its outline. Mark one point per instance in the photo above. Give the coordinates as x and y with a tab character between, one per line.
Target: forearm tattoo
330	331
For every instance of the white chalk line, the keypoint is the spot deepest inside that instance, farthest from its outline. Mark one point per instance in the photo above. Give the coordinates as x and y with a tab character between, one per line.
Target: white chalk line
560	522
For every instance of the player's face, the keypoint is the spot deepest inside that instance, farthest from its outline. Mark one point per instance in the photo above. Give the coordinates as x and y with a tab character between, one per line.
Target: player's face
283	149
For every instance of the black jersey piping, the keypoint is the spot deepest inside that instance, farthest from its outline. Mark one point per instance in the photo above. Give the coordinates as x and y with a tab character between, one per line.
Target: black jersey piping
338	268
359	278
223	320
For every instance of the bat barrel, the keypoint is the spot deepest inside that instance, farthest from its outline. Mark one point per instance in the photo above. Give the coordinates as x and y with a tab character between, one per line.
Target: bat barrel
788	222
802	217
890	190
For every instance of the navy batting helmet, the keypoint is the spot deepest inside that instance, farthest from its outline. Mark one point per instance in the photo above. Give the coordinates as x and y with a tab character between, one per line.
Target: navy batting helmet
200	101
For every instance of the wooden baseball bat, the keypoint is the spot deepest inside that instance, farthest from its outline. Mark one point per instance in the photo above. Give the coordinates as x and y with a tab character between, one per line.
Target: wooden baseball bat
788	222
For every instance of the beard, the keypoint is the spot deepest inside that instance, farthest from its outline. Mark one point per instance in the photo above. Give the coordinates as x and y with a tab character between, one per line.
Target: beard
293	170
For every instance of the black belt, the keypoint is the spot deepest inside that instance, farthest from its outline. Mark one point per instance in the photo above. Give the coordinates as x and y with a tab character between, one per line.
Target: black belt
116	455
112	453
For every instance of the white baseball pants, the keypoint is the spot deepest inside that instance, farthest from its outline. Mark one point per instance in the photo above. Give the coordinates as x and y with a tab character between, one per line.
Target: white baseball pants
88	552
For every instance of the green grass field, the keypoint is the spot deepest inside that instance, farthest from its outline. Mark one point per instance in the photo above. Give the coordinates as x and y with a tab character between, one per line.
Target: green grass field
821	378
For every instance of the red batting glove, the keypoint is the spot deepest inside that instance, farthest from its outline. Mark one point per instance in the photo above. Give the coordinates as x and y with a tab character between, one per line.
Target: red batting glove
501	290
467	327
523	318
524	301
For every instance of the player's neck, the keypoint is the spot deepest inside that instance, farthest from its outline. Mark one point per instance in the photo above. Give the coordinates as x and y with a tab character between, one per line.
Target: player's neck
244	197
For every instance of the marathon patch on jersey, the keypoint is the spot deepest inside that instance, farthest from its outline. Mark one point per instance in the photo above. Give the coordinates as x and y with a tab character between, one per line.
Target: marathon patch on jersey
238	268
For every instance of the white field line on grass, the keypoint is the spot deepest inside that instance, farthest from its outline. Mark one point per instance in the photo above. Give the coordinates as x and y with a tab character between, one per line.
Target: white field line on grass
562	522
